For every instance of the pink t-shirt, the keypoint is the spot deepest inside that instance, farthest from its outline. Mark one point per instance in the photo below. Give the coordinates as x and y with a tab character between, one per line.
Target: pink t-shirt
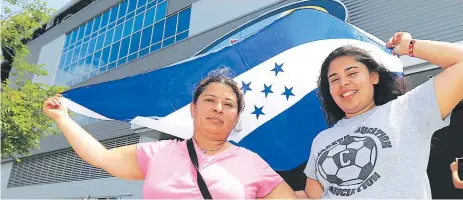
233	173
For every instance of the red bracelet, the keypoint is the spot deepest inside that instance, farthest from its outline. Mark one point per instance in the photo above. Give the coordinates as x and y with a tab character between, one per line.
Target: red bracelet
411	47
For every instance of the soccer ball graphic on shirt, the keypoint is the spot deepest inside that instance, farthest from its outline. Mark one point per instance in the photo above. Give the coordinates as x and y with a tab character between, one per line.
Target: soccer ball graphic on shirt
350	162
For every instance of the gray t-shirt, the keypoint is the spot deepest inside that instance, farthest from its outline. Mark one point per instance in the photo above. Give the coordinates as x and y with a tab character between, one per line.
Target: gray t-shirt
382	153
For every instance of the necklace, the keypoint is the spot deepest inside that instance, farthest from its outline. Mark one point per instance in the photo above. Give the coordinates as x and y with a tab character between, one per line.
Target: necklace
219	146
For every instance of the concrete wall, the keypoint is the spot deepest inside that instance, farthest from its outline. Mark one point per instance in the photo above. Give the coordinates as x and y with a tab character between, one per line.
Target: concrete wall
102	130
206	14
5	174
49	57
174	6
430	20
106	187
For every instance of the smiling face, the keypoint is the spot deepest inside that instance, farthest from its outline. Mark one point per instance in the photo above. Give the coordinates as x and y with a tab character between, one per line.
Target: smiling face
351	85
215	113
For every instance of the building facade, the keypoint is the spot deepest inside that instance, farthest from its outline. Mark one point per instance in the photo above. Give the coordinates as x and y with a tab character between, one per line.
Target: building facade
106	40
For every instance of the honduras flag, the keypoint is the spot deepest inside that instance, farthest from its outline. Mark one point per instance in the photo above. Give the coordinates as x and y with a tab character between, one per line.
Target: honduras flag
277	68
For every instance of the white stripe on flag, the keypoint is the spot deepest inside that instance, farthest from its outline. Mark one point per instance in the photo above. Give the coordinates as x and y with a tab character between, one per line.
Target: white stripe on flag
182	130
77	108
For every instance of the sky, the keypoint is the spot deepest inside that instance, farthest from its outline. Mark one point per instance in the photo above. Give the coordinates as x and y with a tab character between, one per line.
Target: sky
56	4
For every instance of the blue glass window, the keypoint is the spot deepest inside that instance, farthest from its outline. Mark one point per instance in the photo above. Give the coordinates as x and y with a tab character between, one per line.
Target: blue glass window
112	65
91	46
72	69
68	58
105	56
146	37
113	16
88	28
122	9
118	33
114	52
75	57
78	69
157	33
140	10
94	34
167	42
111	26
124	47
121	61
155	47
129	16
184	20
134	43
132	57
104	19
81	32
138	23
102	30
92	74
102	69
86	39
96	59
132	6
88	61
88	64
171	25
143	52
181	36
150	4
128	28
73	37
96	24
78	42
100	41
141	3
120	21
161	11
84	78
149	17
109	37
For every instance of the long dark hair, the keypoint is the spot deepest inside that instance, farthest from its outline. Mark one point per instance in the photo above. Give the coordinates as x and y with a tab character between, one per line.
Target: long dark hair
390	85
221	75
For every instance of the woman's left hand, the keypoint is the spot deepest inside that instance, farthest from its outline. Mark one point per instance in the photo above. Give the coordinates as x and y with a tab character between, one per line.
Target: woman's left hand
400	42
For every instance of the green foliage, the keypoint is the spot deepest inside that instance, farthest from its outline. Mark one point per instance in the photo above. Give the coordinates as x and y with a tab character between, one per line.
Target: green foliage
22	120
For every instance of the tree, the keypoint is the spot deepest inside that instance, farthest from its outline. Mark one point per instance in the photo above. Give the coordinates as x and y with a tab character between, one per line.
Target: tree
22	120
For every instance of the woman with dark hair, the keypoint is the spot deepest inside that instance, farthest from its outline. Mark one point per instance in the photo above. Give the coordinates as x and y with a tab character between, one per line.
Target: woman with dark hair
379	138
220	170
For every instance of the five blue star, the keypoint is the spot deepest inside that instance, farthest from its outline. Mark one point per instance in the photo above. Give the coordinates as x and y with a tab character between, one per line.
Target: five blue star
258	111
267	90
278	68
288	92
246	87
